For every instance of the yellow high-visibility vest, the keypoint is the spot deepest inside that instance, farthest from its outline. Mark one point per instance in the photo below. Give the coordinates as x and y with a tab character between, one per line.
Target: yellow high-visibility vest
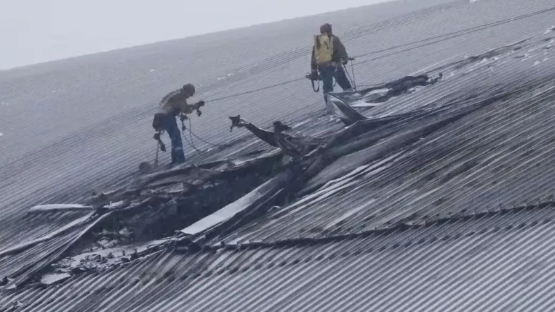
323	48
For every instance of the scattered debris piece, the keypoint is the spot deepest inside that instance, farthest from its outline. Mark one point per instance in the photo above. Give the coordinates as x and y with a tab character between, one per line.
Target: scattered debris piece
60	207
54	278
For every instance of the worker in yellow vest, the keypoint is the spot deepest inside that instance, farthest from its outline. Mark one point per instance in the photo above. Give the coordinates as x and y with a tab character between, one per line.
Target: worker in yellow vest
328	54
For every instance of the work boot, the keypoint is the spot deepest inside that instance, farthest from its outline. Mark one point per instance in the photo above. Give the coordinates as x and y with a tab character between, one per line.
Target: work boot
178	160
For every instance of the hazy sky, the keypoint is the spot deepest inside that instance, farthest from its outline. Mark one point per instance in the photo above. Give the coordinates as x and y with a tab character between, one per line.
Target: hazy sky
34	31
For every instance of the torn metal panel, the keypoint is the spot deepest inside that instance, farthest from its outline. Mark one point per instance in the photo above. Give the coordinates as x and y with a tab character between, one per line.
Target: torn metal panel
47	237
379	93
244	205
338	108
18	232
22	264
295	146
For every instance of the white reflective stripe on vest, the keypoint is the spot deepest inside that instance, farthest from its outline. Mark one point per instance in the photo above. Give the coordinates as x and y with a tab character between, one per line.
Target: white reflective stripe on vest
323	48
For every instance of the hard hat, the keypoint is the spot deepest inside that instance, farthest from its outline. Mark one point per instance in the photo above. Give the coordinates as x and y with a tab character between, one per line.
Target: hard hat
189	88
326	28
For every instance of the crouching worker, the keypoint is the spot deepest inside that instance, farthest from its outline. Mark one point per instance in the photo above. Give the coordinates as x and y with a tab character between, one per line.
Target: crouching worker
328	54
175	104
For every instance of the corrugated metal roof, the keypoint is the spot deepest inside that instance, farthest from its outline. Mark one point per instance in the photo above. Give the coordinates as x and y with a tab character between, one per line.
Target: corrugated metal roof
498	155
16	231
492	262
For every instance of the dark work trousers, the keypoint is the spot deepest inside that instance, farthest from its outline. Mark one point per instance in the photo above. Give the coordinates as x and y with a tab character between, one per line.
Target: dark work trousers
169	123
329	72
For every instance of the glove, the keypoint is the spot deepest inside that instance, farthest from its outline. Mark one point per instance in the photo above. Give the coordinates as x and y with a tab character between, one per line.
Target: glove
183	117
199	112
345	62
200	104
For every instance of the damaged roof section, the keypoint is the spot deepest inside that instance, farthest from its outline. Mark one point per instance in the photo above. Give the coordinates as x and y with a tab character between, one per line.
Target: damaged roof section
134	220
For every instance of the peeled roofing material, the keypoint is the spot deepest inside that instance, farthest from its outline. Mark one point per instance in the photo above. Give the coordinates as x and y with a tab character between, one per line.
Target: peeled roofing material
355	241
